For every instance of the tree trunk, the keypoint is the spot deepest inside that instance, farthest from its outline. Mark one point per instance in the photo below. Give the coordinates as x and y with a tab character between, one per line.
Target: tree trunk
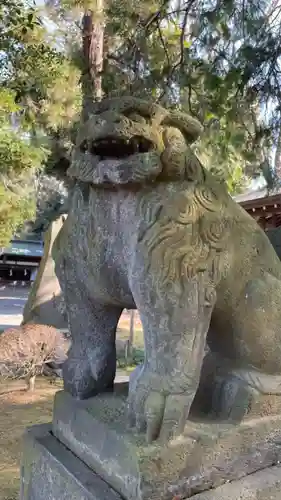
132	332
46	288
277	160
93	41
30	383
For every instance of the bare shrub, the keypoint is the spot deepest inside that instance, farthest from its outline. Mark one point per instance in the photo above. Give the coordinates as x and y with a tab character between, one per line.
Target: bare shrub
25	350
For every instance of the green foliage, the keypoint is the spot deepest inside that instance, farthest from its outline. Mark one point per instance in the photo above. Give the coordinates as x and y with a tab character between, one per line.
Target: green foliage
39	97
7	105
19	160
136	358
43	79
15	210
17	156
216	60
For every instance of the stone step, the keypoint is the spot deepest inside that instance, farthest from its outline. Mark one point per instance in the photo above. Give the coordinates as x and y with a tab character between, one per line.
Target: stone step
263	485
49	471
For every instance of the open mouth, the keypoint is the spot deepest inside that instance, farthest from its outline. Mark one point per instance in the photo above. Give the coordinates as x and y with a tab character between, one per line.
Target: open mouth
111	147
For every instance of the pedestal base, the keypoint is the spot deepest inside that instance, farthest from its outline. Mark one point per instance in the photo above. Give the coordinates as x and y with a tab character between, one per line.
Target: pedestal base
263	485
50	471
206	456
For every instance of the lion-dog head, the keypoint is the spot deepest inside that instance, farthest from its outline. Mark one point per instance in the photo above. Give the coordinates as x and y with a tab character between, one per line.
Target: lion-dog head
132	141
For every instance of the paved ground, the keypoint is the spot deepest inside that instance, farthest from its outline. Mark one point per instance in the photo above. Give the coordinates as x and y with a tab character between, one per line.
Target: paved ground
12	300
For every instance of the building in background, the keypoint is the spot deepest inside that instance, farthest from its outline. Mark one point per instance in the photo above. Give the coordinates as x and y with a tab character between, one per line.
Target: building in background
264	208
20	261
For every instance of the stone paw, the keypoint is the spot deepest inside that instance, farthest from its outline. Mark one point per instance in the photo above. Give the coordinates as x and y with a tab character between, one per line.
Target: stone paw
157	406
83	381
232	398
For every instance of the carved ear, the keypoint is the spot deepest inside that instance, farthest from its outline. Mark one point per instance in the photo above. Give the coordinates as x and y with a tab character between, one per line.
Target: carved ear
189	126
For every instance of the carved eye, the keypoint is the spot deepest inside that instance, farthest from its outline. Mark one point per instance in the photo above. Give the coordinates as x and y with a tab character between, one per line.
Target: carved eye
135	116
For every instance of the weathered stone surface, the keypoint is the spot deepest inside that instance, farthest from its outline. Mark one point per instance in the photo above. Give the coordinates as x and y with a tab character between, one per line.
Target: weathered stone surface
235	396
45	303
274	236
51	472
149	227
206	455
263	485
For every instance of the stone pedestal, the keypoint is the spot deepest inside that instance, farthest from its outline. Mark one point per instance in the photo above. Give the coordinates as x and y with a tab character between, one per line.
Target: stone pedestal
90	454
263	485
50	471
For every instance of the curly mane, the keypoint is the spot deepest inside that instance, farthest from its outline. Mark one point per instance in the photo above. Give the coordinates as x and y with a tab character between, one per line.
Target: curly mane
188	232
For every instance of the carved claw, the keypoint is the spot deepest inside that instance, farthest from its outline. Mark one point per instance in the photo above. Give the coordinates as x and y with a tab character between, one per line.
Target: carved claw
153	410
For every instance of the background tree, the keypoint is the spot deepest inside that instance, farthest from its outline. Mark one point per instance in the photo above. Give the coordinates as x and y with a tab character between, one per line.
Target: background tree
51	198
88	19
218	60
93	43
18	162
35	105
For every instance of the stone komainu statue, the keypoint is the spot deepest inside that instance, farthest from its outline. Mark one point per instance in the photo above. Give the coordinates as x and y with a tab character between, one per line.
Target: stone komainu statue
150	228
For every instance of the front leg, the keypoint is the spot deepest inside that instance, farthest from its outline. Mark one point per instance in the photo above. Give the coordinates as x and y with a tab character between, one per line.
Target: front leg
91	364
175	328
